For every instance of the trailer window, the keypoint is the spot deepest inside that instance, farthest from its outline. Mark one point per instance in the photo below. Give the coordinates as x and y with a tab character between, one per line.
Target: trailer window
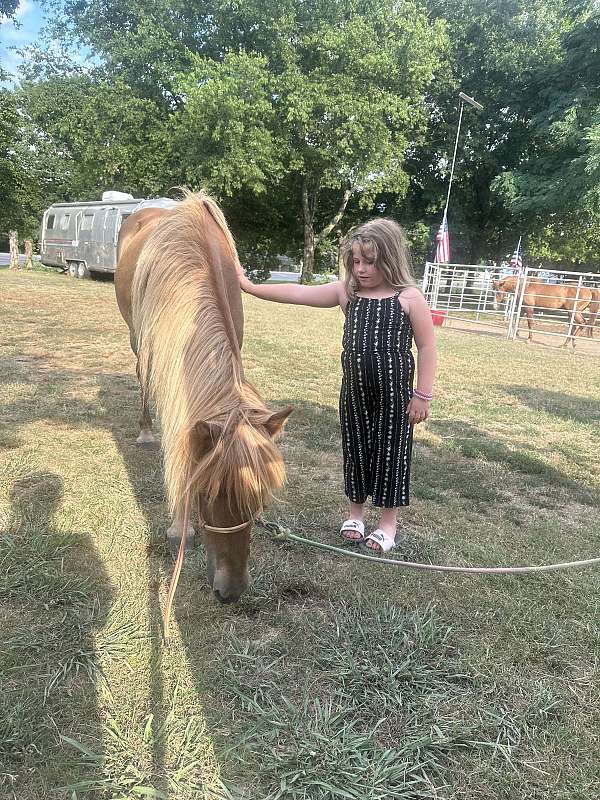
86	222
50	222
64	223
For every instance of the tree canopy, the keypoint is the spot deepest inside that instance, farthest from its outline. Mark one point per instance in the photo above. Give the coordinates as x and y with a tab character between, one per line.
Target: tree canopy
303	117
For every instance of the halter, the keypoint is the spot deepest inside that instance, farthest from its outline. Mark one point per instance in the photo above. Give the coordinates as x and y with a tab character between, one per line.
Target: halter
231	529
179	562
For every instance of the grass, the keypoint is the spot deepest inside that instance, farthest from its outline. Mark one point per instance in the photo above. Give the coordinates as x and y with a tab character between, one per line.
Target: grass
330	678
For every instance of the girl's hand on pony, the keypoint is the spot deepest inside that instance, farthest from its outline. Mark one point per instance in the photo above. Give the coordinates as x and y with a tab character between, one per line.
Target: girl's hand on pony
417	410
245	283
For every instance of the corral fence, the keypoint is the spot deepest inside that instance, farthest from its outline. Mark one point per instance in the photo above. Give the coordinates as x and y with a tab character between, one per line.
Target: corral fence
555	304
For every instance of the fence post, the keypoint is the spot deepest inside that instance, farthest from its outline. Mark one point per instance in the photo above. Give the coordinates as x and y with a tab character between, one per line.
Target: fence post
424	287
574	311
518	304
13	239
28	254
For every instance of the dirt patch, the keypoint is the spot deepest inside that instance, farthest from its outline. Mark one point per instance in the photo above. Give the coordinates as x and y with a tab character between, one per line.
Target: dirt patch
540	338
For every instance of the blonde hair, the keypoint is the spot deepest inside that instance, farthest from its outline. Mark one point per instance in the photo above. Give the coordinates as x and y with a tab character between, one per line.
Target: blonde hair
383	240
189	361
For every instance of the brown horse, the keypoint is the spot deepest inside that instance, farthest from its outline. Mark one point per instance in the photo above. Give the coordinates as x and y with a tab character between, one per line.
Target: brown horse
552	296
178	292
593	310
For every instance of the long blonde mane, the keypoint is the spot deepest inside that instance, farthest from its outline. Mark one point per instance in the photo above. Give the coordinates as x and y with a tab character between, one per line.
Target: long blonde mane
214	437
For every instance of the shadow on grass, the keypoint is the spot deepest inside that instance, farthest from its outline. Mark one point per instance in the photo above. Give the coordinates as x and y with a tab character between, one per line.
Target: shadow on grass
558	404
473	443
54	596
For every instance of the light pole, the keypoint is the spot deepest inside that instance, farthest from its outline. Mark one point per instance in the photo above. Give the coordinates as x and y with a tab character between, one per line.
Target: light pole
464	98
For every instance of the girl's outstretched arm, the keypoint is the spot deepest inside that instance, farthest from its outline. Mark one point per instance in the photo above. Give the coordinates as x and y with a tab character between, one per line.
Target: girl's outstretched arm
326	296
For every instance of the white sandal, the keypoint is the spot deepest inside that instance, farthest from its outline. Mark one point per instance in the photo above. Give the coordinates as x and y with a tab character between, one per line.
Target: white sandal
353	526
385	540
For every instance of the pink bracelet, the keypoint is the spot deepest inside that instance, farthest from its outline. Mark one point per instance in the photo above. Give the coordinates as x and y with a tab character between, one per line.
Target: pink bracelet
422	395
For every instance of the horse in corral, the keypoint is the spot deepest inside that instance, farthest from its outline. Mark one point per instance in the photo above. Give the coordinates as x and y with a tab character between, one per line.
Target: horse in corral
178	291
593	310
551	296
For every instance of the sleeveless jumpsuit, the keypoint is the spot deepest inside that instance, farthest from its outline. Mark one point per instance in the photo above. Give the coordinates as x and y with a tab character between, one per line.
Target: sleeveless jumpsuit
378	370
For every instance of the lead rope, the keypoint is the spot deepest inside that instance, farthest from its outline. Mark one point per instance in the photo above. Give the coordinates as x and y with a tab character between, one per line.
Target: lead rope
281	533
177	569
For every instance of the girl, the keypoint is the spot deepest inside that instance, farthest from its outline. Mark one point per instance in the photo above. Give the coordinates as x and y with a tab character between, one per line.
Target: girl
378	405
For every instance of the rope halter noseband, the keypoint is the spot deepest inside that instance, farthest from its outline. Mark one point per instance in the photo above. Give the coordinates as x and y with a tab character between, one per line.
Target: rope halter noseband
231	529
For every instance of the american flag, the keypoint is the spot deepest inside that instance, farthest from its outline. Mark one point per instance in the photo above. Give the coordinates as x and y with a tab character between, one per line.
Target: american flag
516	261
442	250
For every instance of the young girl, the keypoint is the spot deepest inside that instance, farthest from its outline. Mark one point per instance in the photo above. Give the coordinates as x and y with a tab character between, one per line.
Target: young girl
378	405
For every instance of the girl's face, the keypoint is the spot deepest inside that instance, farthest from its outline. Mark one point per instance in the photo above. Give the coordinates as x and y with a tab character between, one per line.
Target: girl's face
365	271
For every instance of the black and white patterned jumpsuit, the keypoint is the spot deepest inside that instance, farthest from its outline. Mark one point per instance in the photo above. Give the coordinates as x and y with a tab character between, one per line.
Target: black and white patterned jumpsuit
378	370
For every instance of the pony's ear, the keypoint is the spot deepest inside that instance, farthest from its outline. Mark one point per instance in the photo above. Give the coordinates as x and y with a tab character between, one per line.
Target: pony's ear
207	434
277	420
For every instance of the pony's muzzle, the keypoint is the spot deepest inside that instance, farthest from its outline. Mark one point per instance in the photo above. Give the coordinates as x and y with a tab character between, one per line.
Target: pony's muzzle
227	590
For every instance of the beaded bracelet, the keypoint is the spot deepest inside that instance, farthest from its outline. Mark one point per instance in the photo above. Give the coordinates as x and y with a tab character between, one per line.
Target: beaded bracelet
422	395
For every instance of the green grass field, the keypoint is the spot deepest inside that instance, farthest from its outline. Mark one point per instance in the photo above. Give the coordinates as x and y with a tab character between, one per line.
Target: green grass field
332	678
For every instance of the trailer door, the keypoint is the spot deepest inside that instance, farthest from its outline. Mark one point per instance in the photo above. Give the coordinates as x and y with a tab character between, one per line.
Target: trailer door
97	256
111	234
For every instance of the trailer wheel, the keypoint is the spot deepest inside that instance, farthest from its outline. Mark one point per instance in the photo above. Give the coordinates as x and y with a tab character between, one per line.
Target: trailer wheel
82	270
72	269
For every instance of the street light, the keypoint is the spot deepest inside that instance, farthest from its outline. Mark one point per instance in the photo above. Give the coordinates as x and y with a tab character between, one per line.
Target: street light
464	98
471	101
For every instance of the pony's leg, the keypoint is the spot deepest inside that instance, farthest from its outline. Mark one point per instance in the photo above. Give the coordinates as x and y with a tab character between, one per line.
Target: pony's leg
145	420
146	436
573	329
580	320
529	312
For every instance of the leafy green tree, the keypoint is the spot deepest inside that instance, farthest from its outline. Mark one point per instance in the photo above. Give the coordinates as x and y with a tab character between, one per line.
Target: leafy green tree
556	185
330	109
323	98
104	135
27	170
495	49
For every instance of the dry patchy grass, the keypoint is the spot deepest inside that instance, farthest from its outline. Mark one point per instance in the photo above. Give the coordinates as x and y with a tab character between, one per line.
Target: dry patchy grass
330	678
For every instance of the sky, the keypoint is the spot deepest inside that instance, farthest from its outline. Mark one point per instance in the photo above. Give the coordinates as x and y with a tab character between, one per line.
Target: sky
24	31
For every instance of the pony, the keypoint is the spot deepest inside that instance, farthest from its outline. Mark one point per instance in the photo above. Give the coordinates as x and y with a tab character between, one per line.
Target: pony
177	289
537	294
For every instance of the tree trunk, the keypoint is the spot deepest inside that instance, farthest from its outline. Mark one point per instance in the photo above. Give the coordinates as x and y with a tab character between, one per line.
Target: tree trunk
28	254
310	238
13	239
308	262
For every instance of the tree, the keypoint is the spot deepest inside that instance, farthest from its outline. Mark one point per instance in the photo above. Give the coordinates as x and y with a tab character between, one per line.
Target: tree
102	133
556	186
495	49
323	98
330	110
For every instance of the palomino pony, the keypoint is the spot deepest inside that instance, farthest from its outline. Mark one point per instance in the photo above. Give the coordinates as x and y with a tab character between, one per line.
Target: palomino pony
554	296
178	292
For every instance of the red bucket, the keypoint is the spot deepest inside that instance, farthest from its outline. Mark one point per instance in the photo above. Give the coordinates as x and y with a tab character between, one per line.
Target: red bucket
438	317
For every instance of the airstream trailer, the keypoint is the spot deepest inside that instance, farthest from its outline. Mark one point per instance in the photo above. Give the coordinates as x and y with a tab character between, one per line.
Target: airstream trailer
82	237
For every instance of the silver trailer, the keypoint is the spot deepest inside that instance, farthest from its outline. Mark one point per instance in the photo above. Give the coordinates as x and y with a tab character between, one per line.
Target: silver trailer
81	238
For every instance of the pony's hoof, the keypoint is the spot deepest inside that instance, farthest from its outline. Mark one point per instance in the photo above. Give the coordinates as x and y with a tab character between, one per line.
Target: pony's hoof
174	540
146	437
